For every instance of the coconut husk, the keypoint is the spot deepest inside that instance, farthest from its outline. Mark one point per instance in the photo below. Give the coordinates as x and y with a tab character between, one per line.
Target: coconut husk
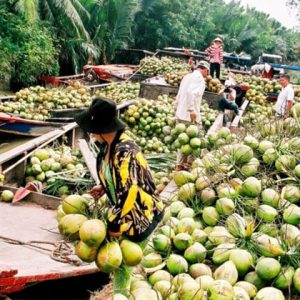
106	293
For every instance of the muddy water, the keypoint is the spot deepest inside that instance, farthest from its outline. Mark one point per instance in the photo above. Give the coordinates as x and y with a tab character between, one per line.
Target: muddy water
76	288
7	144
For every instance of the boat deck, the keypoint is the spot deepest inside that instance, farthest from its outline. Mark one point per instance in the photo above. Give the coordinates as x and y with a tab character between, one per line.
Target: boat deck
27	221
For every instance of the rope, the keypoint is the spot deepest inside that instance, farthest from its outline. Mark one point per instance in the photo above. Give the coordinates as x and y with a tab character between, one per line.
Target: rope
62	251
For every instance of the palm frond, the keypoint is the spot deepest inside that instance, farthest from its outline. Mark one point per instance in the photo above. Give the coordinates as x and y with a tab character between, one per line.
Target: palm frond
28	8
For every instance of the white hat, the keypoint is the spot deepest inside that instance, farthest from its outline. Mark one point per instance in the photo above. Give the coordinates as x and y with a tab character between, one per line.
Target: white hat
204	64
217	39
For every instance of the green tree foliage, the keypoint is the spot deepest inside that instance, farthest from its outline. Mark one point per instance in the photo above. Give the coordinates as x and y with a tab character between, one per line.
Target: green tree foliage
194	23
27	49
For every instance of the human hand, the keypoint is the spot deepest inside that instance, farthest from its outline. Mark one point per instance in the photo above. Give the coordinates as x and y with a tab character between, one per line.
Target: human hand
97	191
193	116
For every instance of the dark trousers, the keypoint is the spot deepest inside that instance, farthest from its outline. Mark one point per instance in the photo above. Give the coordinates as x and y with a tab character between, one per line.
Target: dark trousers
215	67
225	104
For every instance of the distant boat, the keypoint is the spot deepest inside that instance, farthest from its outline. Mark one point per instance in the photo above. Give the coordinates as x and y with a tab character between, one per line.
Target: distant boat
15	126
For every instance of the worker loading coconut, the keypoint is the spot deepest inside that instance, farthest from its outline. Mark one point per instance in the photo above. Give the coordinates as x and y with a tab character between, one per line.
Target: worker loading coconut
123	172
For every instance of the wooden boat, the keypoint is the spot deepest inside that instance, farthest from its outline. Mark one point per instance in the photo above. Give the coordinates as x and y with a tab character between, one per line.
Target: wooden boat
10	125
28	241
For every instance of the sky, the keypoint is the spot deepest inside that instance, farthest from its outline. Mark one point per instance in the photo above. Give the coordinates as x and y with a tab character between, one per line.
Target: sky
275	8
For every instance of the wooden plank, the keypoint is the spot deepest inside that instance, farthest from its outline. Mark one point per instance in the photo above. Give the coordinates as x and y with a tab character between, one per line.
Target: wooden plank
168	193
218	123
35	143
6	98
243	108
89	158
43	200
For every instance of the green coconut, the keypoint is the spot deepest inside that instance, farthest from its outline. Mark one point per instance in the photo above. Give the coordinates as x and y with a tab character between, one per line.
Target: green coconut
131	252
70	224
176	207
264	146
145	294
199	269
92	232
7	195
242	259
186	212
164	287
161	243
227	271
220	235
267	268
291	193
186	225
240	294
204	281
109	257
119	297
180	279
159	276
242	153
210	215
224	190
251	187
285	163
267	213
202	182
269	228
187	192
270	197
225	206
253	278
248	287
269	293
196	253
251	141
74	204
290	234
183	177
182	241
236	225
85	252
177	264
291	214
208	196
249	169
296	280
220	290
167	231
199	236
285	278
222	253
151	260
267	245
189	291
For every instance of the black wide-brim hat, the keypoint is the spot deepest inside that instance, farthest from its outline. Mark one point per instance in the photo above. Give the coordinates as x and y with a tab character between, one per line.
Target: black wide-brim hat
100	117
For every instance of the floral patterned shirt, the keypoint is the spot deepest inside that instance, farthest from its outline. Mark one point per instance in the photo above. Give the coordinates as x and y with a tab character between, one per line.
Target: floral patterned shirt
128	183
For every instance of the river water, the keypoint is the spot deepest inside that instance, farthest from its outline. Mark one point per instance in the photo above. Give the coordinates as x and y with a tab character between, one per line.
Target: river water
75	288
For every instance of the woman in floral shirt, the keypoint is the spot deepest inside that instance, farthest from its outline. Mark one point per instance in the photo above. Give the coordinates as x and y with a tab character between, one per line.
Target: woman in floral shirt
123	172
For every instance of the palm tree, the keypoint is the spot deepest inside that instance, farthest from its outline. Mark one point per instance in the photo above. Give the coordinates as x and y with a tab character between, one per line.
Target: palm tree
67	16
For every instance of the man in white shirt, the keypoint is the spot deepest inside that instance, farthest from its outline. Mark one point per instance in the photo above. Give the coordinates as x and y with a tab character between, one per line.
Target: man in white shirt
190	94
285	98
189	99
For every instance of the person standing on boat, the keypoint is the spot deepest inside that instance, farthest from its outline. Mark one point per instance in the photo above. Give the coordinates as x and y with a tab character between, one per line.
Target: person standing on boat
215	52
124	174
285	98
189	99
